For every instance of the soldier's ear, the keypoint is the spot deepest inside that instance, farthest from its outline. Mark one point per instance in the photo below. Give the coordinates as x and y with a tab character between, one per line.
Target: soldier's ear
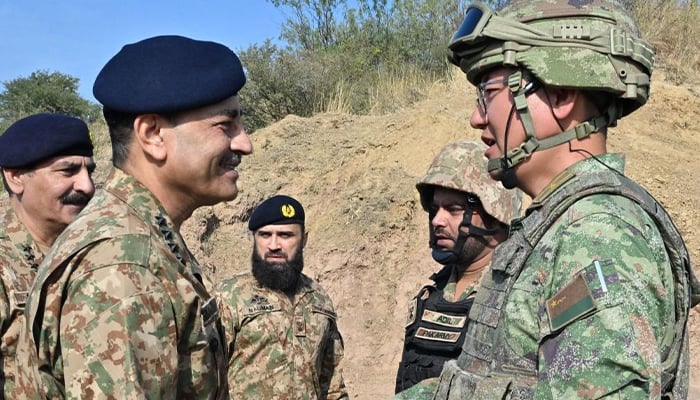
13	177
563	101
149	134
305	238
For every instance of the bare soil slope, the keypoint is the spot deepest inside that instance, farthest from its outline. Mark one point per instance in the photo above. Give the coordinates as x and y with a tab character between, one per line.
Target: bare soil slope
368	235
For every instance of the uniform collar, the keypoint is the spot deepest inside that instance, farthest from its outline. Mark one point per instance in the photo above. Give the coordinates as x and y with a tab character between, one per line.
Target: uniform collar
589	165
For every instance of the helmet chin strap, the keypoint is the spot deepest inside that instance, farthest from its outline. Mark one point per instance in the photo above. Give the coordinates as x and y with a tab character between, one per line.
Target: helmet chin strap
531	143
451	256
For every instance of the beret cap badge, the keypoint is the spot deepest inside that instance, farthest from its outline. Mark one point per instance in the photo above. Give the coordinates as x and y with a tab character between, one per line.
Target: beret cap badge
287	211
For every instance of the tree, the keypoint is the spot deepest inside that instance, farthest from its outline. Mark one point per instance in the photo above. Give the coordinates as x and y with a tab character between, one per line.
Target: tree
280	82
42	91
313	26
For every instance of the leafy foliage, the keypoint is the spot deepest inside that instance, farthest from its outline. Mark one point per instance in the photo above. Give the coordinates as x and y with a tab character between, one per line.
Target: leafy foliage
42	91
337	56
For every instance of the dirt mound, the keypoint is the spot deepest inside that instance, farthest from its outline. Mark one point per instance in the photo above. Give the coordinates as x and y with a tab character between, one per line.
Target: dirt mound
368	235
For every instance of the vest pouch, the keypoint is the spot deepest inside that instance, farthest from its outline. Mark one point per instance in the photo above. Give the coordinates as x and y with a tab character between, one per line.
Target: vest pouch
457	384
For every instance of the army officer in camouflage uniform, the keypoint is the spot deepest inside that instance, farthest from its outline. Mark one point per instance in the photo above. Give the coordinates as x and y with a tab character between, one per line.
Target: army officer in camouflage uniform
589	296
120	308
47	166
468	216
283	336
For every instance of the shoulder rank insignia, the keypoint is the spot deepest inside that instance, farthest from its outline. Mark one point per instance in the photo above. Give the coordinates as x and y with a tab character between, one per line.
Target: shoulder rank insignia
411	316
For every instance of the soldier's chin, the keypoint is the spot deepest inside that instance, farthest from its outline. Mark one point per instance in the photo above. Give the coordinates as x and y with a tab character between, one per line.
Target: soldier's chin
496	174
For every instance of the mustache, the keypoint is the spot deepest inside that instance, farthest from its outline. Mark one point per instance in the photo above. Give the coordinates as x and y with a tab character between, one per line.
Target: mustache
236	158
76	199
276	254
443	233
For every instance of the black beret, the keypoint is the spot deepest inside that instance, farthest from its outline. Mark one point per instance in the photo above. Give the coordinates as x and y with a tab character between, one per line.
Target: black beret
277	210
166	74
39	137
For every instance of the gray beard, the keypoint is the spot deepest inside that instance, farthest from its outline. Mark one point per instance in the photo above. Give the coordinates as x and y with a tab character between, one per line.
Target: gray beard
278	276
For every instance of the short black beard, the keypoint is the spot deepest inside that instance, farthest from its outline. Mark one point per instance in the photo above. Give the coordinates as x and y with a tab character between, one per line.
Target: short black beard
278	276
473	246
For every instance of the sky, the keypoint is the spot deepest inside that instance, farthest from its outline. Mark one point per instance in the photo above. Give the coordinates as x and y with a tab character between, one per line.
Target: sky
77	37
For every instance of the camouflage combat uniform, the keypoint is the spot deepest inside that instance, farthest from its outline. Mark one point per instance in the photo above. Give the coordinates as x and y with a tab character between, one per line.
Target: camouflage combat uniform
590	313
19	259
282	348
445	285
119	309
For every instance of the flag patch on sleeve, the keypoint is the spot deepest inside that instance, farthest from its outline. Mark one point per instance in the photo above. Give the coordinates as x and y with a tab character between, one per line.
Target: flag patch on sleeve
572	302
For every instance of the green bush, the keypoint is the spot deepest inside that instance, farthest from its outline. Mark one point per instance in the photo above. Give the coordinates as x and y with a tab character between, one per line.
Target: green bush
42	91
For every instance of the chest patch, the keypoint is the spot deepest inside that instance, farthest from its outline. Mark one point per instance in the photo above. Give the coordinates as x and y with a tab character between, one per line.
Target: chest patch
437	335
258	304
443	319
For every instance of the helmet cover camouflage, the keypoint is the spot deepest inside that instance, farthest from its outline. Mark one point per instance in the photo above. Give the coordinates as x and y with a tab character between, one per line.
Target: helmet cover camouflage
584	44
462	166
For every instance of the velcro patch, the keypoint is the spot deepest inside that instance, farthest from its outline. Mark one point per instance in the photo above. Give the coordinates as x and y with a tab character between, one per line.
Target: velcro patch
411	316
443	319
258	308
437	335
299	326
570	303
21	298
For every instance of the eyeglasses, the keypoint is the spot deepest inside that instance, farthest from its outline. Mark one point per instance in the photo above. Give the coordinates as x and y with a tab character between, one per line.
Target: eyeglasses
475	19
481	90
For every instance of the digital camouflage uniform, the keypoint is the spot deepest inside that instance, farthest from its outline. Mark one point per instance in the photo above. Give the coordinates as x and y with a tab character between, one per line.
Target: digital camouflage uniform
19	259
282	348
590	294
119	309
426	388
589	314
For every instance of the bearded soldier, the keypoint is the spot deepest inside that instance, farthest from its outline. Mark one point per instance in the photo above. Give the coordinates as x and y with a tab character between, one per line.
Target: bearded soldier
468	216
283	336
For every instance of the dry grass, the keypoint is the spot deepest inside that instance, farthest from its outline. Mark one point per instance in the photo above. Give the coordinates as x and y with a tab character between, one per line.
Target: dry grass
386	91
339	101
672	27
398	88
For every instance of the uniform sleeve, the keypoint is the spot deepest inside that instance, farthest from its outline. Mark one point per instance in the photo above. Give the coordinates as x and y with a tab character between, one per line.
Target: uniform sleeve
605	319
227	294
423	390
4	305
331	377
117	336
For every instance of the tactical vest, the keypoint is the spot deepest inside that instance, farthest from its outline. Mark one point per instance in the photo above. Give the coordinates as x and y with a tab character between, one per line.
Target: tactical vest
488	369
434	334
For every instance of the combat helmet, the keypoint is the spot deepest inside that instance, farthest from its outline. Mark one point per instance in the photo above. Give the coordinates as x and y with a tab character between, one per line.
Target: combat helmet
591	45
462	166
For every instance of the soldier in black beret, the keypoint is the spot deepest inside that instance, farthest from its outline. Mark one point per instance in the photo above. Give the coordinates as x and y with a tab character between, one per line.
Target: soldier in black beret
46	162
171	105
281	314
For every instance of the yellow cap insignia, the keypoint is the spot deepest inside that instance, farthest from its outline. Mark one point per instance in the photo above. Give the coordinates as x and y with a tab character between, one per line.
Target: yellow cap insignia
288	211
